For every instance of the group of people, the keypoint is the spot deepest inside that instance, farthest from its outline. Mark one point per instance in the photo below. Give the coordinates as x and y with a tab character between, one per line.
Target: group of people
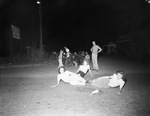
67	58
77	78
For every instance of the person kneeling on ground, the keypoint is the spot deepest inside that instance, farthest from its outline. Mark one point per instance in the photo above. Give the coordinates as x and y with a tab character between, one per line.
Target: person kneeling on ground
83	69
115	80
69	77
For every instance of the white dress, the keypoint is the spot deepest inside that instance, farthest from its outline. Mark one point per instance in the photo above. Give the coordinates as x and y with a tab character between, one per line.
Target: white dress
72	78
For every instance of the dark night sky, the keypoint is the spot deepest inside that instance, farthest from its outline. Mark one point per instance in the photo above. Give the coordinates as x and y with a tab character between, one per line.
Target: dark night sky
76	23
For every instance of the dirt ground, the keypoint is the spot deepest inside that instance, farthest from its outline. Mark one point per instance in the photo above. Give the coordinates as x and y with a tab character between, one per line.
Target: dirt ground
27	92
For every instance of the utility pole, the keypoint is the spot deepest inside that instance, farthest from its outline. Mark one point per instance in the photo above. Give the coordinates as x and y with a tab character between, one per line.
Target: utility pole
40	23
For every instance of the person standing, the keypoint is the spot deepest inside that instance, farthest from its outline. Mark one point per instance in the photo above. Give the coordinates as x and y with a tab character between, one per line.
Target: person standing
95	50
68	57
67	52
60	57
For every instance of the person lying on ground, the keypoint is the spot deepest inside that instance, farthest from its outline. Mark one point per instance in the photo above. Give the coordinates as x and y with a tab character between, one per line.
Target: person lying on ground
115	80
83	69
69	77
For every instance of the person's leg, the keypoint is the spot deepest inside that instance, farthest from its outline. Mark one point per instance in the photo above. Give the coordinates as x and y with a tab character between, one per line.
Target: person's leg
60	63
100	83
67	61
93	61
96	62
73	82
80	83
76	82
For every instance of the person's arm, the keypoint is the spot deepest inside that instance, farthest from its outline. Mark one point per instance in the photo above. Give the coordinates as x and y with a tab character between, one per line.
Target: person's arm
78	69
92	49
122	83
90	71
99	49
58	81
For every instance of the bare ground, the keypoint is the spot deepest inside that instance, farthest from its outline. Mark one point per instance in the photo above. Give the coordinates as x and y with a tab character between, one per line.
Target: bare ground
28	92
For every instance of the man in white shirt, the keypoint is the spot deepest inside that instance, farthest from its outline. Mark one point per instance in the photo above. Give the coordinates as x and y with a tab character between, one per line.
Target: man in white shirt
115	80
95	50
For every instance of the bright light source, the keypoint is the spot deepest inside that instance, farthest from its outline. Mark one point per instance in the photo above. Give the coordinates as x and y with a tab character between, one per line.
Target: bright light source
38	2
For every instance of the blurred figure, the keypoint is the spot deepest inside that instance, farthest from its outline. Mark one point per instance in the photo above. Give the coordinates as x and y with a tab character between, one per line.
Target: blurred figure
75	59
87	57
95	50
60	57
81	57
67	52
68	57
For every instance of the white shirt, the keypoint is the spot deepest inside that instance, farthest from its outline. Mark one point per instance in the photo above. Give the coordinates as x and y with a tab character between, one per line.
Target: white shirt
84	68
114	81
